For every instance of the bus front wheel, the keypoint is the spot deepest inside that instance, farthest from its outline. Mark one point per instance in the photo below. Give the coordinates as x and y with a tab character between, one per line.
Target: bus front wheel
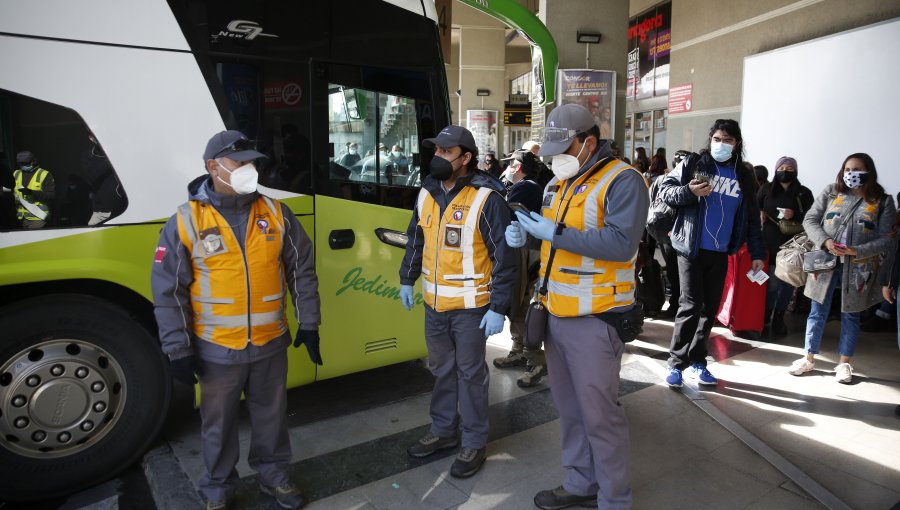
83	392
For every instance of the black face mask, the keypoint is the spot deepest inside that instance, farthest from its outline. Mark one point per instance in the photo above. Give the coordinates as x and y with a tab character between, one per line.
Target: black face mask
786	176
441	169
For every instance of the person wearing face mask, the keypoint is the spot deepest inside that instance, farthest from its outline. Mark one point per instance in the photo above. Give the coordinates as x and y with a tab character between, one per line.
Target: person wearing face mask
593	216
399	161
351	158
853	219
455	241
227	255
522	171
491	165
782	199
34	190
713	194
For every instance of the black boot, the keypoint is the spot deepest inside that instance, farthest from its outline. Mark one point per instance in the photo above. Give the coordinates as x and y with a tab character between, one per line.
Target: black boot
778	325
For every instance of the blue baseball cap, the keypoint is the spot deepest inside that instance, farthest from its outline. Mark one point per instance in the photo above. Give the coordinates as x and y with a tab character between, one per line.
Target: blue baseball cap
233	145
451	136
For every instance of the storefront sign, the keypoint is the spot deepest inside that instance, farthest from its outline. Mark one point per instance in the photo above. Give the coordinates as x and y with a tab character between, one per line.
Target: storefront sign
681	98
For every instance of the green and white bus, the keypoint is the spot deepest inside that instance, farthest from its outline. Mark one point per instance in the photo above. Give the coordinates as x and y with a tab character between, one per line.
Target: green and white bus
116	99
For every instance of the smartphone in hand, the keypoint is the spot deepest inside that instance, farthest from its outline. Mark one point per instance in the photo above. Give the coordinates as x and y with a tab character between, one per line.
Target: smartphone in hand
517	206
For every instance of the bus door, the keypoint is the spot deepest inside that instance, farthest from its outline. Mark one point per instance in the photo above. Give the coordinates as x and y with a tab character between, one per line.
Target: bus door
366	183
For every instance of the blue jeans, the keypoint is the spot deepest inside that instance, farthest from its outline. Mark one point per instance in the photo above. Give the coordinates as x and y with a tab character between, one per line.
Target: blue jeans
818	314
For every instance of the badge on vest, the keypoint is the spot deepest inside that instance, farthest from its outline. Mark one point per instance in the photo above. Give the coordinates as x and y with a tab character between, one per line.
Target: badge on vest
453	236
212	242
548	199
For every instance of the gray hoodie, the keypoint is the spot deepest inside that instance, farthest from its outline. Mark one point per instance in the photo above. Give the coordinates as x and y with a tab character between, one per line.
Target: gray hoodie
173	273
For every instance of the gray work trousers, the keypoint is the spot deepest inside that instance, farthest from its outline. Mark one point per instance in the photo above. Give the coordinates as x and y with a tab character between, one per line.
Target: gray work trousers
263	383
584	355
456	352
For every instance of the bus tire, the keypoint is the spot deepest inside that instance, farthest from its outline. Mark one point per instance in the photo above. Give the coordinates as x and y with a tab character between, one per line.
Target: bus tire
83	393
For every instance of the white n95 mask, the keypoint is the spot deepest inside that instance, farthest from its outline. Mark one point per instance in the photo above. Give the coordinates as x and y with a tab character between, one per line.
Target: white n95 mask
244	178
565	166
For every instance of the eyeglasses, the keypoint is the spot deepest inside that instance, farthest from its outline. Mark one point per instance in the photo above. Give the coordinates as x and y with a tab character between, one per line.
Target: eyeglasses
555	134
238	145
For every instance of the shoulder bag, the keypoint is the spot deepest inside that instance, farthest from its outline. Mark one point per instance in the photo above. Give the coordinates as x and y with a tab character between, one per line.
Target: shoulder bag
819	261
798	257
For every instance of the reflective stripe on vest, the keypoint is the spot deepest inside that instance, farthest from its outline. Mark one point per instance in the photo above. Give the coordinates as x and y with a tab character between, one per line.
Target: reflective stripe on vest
580	285
36	184
237	296
456	267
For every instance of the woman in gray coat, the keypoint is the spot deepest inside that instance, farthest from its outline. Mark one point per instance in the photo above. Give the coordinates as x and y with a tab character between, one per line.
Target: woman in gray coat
861	242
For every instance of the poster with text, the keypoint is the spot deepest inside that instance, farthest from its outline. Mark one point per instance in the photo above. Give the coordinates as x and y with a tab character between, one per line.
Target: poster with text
483	125
595	90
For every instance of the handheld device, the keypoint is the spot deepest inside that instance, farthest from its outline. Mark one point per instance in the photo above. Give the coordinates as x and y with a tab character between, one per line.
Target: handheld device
701	177
517	206
840	246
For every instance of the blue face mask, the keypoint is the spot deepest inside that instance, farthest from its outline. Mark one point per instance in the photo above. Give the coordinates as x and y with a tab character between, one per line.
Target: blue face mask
720	151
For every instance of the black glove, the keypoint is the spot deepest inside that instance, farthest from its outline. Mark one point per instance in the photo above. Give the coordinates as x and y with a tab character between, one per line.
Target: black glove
310	337
26	192
183	369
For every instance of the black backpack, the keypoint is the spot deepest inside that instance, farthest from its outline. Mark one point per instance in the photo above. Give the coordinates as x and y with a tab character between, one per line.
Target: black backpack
661	217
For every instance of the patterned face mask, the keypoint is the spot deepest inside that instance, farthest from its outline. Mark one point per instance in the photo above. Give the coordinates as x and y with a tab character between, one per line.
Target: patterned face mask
855	179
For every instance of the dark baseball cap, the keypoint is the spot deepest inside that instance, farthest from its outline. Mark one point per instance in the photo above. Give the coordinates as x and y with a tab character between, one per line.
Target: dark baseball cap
527	158
563	124
24	157
451	136
233	145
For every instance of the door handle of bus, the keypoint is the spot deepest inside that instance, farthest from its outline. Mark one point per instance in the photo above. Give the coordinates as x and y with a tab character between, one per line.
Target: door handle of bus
391	237
341	239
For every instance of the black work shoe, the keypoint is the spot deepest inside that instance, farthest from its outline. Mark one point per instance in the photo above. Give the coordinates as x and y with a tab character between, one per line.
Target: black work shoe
532	376
219	505
513	359
468	462
430	444
561	498
287	495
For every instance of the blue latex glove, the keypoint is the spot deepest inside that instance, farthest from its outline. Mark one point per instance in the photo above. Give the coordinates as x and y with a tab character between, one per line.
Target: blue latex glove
406	296
491	323
536	225
515	235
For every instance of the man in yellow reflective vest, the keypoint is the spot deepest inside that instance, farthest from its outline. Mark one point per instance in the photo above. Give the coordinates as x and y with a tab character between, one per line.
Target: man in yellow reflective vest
221	274
592	215
456	243
35	189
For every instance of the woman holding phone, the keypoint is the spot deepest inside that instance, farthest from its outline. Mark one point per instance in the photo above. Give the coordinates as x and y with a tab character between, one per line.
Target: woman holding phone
853	219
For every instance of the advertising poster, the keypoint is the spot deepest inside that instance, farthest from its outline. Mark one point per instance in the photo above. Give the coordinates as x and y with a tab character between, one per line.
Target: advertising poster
595	90
483	125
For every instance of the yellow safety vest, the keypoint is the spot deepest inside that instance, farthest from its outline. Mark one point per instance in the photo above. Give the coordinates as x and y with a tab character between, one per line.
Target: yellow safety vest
579	285
456	267
237	296
36	184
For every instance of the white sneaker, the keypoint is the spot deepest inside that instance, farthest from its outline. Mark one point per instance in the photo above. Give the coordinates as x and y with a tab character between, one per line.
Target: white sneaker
843	373
801	366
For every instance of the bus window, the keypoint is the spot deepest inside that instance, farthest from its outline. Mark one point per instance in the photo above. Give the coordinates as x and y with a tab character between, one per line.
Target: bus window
53	170
375	139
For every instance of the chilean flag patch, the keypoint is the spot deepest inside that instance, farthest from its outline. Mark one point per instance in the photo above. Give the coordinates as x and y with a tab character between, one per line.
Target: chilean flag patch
160	253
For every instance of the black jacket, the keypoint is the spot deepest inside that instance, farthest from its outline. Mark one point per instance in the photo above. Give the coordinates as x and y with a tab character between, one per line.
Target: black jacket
688	220
772	196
